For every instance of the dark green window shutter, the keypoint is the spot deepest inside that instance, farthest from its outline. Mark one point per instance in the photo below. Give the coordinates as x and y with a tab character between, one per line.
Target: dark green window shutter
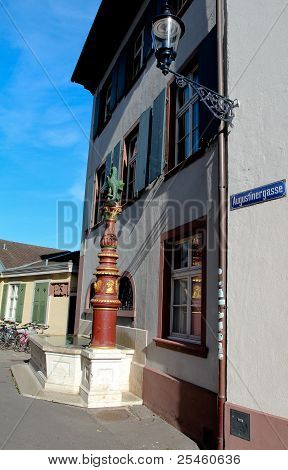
20	302
116	156
40	302
4	301
113	100
122	74
143	150
208	76
96	116
156	156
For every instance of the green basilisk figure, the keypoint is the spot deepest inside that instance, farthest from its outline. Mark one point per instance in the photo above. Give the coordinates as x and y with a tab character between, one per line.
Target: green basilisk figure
114	187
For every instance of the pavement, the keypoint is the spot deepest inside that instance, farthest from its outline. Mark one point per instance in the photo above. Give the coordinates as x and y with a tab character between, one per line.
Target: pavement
31	424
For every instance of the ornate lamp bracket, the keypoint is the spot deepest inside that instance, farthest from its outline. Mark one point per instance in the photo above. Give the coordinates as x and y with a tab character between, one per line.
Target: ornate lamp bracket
220	106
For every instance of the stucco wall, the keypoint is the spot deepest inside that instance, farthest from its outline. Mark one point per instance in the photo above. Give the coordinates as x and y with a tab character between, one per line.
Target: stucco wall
258	256
184	197
57	307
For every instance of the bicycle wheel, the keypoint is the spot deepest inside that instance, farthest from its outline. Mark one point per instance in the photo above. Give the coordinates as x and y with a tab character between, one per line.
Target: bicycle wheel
17	344
28	347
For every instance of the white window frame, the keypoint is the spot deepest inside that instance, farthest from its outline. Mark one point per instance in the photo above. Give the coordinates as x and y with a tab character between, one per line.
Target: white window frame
180	111
186	274
8	303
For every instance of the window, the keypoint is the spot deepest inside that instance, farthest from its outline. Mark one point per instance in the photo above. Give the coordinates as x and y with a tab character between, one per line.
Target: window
107	102
187	121
126	313
129	165
183	289
186	289
99	194
138	54
12	302
179	6
126	294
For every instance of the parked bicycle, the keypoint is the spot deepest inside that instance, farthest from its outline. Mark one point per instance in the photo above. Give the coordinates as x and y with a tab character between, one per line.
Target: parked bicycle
17	338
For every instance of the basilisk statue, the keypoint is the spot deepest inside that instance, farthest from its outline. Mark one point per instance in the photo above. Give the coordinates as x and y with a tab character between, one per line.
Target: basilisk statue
114	187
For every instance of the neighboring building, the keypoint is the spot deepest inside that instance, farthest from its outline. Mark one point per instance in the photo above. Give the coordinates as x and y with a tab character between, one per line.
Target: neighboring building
166	147
38	284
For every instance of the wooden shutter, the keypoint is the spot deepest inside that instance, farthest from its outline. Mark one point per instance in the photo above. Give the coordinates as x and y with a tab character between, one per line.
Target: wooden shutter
122	74
208	76
20	302
116	157
96	115
143	150
4	301
40	302
156	156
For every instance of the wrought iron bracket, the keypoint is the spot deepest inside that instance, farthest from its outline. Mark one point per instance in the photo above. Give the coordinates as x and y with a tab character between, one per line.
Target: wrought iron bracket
220	106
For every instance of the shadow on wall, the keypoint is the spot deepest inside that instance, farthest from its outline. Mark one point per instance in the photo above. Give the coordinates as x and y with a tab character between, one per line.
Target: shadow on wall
188	407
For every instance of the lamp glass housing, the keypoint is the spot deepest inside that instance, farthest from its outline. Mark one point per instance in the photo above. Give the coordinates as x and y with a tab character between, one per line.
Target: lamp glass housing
166	32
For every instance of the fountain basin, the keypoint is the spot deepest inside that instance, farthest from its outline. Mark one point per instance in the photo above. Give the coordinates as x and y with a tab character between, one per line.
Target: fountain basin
99	377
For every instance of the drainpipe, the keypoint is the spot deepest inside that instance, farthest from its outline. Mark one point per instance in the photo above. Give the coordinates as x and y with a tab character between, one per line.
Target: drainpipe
222	182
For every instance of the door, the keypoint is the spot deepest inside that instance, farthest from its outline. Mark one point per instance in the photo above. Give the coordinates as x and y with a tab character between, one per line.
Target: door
40	303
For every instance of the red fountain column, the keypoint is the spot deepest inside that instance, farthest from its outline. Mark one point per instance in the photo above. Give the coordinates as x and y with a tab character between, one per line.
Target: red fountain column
105	302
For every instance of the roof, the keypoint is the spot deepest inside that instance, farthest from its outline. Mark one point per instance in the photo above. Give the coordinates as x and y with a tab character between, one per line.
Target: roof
108	30
14	254
48	266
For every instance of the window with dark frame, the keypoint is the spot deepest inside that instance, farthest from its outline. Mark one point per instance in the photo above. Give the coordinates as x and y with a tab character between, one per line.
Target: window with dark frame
186	287
129	166
179	6
99	194
183	307
107	101
187	121
138	54
126	294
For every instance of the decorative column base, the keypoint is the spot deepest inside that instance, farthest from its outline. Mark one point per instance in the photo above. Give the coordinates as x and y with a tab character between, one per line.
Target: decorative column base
104	376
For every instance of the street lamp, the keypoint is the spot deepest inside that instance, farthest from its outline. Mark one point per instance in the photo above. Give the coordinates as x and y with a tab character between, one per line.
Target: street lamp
167	30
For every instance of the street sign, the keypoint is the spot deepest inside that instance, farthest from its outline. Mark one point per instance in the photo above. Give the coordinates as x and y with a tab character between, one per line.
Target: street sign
266	193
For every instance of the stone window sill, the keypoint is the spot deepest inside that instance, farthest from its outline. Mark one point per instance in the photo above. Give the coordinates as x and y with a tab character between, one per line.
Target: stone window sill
184	347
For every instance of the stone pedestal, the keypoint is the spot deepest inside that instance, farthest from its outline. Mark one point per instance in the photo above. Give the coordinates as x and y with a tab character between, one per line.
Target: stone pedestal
87	377
105	375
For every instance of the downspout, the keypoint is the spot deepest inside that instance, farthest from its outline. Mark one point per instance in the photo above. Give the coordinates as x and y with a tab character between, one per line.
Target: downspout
222	188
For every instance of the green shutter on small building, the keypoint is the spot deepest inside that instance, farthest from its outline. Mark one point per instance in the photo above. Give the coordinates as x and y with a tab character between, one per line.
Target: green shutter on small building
20	302
40	302
4	301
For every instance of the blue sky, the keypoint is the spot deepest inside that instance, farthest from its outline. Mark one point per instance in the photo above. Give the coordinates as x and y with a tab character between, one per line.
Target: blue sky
44	118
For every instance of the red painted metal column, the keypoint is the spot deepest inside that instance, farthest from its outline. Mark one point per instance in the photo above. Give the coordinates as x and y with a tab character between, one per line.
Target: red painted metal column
105	302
